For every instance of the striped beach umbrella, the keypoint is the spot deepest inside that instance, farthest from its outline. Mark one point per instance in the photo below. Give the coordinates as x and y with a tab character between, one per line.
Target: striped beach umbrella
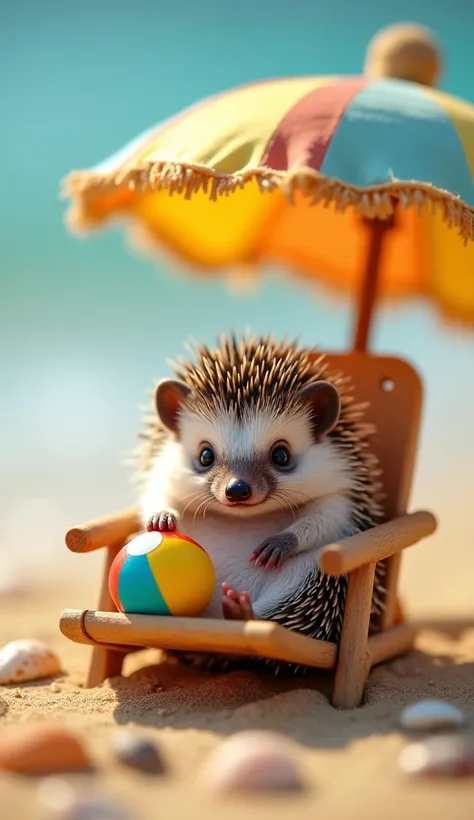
364	183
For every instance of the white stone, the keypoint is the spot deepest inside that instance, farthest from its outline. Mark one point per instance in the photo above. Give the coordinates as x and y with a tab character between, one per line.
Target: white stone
61	802
27	660
429	715
253	760
445	755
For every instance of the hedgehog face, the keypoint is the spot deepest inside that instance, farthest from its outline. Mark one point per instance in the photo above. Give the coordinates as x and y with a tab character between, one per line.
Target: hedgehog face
257	460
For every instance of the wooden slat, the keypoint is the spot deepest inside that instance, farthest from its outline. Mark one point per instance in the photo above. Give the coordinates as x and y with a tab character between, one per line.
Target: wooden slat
112	529
375	544
255	638
393	642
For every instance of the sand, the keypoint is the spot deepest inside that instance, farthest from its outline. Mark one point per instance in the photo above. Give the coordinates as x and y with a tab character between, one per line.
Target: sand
350	758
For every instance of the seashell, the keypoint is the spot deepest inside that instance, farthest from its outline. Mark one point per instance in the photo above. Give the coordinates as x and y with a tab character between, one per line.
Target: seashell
252	761
27	660
429	715
448	755
36	749
60	801
137	752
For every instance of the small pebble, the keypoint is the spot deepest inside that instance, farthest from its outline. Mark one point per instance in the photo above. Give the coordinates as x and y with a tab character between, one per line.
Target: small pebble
27	660
38	749
137	752
449	755
253	760
429	715
60	801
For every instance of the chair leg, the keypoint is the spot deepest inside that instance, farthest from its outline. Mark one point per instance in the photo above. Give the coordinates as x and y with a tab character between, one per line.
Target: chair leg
105	663
400	617
354	658
393	613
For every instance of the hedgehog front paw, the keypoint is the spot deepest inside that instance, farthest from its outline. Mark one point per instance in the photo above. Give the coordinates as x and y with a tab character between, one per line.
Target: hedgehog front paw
274	551
162	522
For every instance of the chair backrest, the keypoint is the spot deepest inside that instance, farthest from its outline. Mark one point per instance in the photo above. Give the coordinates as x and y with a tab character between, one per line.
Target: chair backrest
394	391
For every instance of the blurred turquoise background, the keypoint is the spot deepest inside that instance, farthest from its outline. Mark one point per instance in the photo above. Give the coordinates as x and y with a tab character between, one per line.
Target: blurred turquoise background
86	326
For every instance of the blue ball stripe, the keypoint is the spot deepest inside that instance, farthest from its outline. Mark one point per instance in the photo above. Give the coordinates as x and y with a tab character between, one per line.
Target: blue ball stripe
138	590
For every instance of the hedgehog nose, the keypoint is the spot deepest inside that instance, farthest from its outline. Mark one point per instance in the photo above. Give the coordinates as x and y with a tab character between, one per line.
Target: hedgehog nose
238	490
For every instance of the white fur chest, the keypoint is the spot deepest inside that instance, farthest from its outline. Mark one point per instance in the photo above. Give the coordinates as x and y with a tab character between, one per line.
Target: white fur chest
230	544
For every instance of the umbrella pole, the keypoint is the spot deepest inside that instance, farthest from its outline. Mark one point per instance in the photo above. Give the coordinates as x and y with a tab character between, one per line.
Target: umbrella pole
368	294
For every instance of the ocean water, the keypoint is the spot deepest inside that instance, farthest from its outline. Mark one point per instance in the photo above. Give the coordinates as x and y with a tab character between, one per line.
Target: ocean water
85	327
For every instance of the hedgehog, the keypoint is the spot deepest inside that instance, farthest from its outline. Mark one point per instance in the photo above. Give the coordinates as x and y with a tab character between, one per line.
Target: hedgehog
260	453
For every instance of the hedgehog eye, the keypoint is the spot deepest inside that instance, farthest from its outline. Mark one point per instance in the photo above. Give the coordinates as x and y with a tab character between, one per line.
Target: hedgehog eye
281	457
206	457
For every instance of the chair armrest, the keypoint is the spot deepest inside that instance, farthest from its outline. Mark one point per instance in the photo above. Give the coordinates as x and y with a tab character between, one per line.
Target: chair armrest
375	544
103	532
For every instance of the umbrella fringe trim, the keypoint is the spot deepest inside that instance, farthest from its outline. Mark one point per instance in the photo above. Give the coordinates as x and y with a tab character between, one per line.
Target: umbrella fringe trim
186	179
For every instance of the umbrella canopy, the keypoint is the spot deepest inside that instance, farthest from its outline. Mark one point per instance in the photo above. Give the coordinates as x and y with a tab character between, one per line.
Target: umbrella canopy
363	183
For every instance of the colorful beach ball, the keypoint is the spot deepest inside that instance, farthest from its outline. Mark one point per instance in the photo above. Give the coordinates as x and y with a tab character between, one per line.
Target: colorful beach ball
162	573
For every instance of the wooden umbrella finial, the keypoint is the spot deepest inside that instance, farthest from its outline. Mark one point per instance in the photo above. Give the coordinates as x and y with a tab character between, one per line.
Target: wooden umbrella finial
405	51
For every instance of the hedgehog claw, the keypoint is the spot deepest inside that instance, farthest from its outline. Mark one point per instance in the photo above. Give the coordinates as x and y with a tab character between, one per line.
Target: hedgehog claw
274	551
162	522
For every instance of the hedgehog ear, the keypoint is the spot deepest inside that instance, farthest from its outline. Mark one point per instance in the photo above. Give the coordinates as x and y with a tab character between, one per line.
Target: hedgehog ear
325	406
169	396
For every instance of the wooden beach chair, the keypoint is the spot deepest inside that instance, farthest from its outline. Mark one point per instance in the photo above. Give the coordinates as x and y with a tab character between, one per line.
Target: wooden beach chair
394	391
